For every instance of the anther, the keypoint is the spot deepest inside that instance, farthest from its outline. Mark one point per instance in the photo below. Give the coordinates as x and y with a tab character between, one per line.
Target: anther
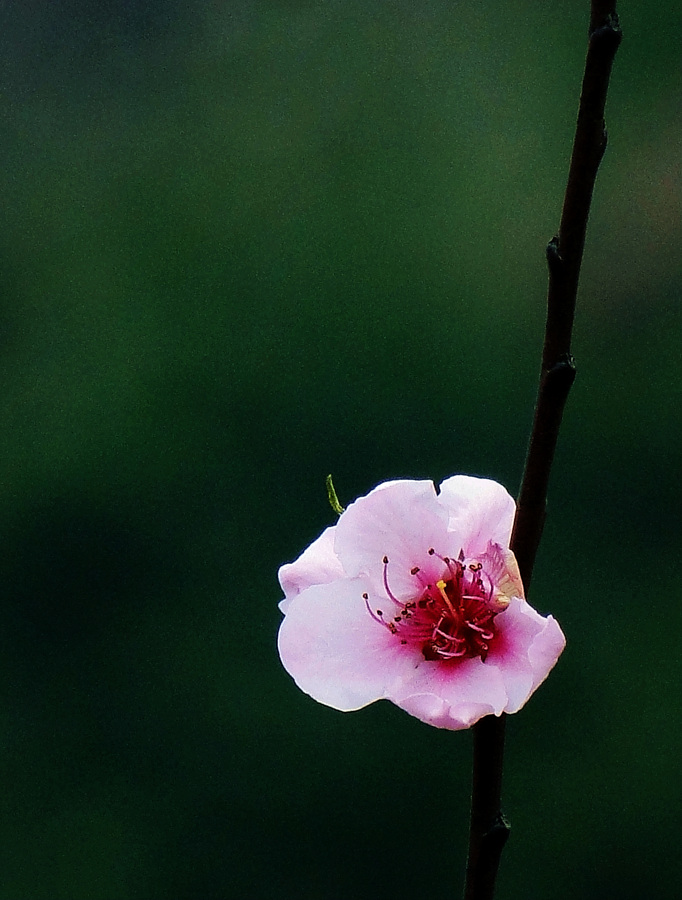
414	570
385	560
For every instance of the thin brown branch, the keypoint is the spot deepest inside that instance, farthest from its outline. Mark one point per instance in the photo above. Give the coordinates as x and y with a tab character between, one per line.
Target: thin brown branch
489	829
564	257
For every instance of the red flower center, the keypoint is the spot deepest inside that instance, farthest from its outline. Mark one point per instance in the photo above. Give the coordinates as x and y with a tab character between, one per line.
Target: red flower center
450	619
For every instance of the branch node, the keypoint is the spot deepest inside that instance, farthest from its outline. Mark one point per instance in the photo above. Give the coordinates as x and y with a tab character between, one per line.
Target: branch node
564	367
606	29
499	832
609	33
554	258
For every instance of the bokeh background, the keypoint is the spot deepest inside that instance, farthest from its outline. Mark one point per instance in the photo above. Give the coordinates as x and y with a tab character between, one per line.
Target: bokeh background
244	244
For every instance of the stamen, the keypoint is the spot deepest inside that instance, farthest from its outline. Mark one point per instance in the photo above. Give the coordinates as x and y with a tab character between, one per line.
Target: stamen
452	654
449	637
485	634
450	619
455	569
386	587
376	616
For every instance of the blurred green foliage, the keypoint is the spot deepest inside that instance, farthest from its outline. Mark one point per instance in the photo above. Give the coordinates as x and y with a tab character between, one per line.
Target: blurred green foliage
243	245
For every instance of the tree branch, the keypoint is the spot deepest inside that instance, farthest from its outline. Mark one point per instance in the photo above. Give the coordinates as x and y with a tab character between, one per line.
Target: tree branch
489	829
564	257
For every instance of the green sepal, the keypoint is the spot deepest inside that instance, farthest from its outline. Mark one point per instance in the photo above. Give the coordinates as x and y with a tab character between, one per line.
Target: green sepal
331	494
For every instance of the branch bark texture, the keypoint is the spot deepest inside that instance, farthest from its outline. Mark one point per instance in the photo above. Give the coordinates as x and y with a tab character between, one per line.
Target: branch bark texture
489	829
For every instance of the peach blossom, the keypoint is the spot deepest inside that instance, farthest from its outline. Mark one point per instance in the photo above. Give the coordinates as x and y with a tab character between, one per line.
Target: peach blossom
414	597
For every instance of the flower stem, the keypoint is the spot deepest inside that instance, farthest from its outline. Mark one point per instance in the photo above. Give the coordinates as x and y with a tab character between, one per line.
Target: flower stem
489	829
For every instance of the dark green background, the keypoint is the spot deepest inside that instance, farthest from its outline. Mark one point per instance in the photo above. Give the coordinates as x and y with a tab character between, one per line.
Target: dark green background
245	244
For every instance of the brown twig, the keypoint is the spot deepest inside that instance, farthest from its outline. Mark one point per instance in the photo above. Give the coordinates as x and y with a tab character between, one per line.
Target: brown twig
489	829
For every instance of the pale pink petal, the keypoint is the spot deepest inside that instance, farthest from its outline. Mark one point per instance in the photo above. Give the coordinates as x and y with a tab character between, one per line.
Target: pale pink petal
439	713
480	511
545	650
336	652
400	520
318	564
525	650
452	695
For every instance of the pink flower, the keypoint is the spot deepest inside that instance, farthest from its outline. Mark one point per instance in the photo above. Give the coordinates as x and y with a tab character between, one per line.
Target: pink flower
415	597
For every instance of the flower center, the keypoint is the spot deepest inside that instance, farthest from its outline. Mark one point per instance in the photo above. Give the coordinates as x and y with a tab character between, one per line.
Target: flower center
452	618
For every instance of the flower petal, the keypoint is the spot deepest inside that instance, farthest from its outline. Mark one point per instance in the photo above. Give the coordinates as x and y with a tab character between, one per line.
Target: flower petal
437	712
336	652
452	695
525	650
480	510
318	564
545	650
500	565
400	520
